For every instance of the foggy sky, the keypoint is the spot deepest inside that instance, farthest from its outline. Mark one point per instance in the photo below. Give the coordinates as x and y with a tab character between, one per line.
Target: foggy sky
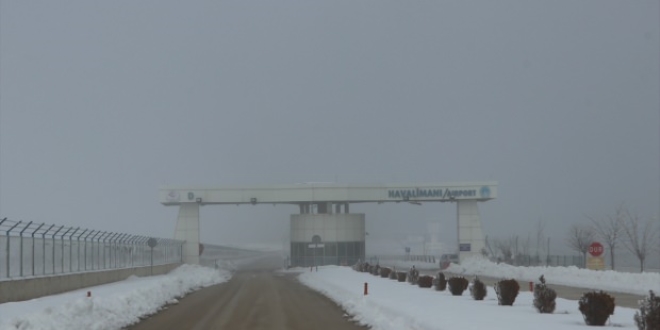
103	102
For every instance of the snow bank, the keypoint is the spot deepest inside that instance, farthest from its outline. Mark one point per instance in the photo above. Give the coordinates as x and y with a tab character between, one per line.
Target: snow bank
392	305
636	283
111	306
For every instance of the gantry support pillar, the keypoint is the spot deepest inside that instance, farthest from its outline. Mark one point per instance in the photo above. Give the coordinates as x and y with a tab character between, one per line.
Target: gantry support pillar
187	229
470	234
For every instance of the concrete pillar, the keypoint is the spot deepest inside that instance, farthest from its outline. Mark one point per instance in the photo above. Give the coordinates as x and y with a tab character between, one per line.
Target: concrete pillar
187	229
302	208
346	208
470	235
337	208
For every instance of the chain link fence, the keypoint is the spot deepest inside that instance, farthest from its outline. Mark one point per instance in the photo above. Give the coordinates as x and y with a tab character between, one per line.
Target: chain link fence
30	249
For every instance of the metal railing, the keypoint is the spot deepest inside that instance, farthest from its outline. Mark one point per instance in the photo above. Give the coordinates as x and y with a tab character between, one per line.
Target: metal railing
37	249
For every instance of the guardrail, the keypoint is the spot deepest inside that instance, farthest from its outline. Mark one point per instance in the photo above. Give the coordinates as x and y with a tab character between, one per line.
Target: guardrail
29	249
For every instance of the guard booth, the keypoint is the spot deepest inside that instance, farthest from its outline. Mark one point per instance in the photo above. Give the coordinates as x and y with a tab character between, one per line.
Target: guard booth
336	239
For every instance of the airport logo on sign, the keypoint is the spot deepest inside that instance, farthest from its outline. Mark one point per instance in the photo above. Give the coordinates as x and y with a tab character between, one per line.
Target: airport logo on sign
173	196
484	192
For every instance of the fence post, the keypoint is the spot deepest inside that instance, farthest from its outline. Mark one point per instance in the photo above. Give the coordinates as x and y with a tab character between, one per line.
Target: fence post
34	232
8	247
3	220
105	247
62	243
71	249
98	251
125	250
43	246
21	248
131	241
145	260
117	244
104	239
122	250
85	252
78	255
55	234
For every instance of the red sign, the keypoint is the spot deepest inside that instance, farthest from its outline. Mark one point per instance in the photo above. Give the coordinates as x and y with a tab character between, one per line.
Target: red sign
596	249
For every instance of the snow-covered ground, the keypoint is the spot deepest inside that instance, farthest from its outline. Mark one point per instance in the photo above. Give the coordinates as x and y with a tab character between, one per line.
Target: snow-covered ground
111	306
399	305
636	283
389	305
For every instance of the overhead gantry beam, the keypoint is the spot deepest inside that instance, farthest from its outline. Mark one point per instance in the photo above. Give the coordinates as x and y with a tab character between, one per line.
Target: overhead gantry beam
328	192
326	195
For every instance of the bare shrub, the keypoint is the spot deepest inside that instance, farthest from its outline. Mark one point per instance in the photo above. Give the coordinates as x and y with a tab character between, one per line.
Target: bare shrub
425	281
457	285
507	291
596	307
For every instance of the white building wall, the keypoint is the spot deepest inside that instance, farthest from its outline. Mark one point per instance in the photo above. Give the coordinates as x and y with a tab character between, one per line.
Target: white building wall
331	227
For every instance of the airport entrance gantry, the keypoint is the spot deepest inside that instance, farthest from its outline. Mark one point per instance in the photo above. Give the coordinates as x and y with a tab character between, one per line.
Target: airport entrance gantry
324	230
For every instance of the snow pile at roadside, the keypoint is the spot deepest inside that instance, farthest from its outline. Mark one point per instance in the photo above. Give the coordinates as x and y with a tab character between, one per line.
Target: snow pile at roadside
404	266
392	305
570	276
112	306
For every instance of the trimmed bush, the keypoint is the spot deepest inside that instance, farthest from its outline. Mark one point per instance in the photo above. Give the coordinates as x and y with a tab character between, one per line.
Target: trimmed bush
478	289
507	291
457	285
385	272
425	281
596	307
440	282
648	317
393	275
544	297
401	276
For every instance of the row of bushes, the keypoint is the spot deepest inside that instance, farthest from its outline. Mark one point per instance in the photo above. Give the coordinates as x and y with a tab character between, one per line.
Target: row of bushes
596	306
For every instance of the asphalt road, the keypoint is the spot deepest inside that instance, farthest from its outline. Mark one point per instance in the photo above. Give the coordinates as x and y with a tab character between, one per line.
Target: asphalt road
255	298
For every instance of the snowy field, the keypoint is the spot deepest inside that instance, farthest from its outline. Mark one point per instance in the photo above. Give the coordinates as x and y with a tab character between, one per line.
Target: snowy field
392	305
389	305
111	306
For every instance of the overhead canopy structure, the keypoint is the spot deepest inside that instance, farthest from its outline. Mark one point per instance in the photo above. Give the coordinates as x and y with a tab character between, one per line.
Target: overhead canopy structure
330	192
321	197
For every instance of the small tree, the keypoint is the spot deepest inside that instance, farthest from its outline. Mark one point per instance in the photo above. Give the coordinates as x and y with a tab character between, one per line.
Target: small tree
648	316
579	239
544	297
639	236
609	229
504	247
478	289
540	228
